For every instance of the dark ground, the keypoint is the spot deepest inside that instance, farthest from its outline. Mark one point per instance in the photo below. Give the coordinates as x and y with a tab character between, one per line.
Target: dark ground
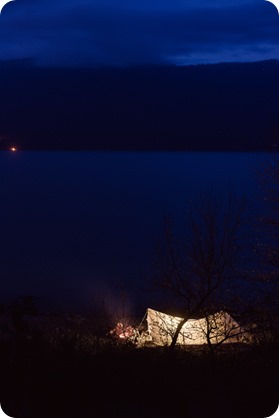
104	379
217	107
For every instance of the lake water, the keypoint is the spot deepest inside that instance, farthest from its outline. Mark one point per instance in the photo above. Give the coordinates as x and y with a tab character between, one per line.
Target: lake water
79	224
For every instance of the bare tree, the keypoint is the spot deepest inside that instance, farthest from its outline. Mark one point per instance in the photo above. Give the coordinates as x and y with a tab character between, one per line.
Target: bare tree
222	328
200	270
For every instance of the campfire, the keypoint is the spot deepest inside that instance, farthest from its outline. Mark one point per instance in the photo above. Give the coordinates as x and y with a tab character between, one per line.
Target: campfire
122	331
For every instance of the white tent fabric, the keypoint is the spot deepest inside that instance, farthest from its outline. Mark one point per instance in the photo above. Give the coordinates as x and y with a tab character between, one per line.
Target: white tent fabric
220	327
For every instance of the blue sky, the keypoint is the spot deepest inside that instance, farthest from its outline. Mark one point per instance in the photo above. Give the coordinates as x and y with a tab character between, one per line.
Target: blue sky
86	33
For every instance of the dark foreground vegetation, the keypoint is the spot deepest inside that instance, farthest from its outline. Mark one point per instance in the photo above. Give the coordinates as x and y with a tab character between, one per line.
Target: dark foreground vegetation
80	377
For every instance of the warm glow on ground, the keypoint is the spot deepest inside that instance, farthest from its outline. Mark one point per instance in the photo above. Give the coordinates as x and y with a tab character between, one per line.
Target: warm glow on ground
122	331
13	149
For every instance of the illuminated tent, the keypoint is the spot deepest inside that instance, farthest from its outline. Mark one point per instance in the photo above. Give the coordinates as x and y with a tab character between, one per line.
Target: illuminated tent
219	327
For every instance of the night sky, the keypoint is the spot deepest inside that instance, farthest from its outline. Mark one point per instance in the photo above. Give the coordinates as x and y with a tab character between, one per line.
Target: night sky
123	32
76	225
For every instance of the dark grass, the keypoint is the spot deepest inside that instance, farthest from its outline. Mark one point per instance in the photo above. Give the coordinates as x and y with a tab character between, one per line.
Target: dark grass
105	379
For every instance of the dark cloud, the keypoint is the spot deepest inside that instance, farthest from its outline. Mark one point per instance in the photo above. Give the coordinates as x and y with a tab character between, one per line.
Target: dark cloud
123	33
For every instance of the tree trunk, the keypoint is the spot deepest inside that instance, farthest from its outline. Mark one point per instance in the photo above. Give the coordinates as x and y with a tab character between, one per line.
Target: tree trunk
177	331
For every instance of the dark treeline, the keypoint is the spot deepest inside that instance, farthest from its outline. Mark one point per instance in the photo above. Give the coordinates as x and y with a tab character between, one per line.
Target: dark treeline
205	107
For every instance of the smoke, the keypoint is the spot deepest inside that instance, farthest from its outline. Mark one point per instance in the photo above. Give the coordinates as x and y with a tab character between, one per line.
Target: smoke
113	302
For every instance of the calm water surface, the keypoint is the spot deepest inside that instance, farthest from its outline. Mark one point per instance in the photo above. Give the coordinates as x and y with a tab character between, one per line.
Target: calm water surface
77	224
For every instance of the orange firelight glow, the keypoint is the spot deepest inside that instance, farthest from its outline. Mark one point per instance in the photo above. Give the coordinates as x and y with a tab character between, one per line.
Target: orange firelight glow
122	331
13	149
